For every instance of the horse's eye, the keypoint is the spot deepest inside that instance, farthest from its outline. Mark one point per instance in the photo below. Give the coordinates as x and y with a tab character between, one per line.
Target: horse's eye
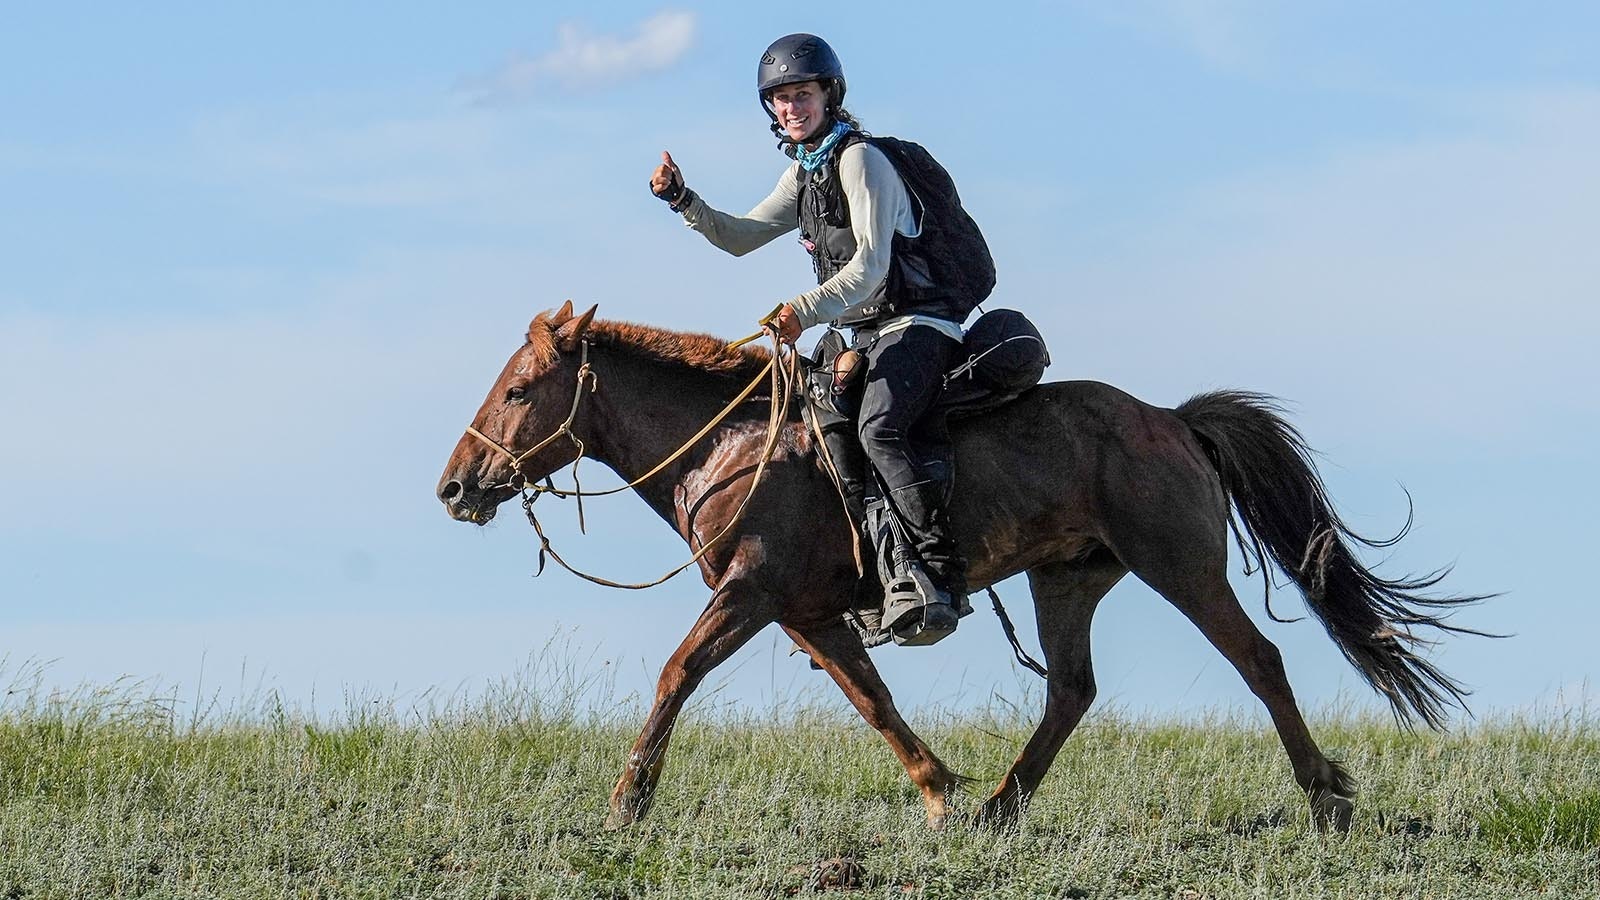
516	394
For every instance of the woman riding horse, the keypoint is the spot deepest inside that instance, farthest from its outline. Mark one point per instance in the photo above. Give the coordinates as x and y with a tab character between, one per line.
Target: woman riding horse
1075	483
874	252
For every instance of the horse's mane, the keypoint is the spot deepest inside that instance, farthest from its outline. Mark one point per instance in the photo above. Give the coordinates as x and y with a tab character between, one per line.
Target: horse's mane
701	352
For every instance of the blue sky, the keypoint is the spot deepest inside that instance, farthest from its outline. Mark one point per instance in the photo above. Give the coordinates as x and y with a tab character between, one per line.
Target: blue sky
257	269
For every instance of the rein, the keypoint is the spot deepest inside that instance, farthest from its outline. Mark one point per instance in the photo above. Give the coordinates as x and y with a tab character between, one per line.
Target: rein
781	374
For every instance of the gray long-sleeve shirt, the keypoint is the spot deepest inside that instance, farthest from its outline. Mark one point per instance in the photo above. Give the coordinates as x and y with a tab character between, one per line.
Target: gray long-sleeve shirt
879	207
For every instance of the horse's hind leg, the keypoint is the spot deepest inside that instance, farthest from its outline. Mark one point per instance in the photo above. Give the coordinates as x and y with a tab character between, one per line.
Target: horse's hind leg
837	648
1206	598
1065	597
734	615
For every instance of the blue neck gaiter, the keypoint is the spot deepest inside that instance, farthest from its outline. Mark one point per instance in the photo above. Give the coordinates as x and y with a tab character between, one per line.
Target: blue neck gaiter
811	159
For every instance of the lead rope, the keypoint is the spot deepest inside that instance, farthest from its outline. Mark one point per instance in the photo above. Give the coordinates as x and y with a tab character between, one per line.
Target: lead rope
782	374
673	457
579	493
1011	635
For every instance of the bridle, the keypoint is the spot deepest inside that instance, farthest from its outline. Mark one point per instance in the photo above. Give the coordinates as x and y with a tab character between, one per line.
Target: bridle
782	369
585	374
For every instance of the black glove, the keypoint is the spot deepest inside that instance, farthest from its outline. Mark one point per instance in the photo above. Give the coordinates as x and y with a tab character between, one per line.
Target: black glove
674	192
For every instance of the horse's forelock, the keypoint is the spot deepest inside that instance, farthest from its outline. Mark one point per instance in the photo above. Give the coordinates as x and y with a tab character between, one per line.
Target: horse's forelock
541	343
540	325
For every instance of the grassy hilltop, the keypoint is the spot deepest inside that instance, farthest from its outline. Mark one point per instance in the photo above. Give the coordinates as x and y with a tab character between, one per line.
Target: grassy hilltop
113	793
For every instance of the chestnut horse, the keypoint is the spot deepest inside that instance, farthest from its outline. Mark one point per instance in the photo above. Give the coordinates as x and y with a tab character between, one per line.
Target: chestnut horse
1075	483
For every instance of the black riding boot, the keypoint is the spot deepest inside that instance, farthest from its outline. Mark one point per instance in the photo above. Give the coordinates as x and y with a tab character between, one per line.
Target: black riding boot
851	466
924	510
928	591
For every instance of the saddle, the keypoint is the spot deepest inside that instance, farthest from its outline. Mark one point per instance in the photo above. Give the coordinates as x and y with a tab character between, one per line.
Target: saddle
1004	353
1004	356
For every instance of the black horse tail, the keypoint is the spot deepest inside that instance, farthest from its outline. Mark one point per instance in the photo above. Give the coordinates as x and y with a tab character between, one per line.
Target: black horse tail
1267	471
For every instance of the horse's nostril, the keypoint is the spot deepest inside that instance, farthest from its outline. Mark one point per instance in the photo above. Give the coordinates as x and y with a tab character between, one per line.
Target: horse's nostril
451	492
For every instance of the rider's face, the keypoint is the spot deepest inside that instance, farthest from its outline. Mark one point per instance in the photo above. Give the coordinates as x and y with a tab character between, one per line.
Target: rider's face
801	109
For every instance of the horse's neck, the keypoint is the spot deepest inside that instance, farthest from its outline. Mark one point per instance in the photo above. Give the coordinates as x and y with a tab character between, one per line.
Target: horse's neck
645	412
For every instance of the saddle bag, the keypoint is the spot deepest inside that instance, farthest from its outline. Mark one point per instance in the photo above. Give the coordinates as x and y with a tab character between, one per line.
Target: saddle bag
1005	354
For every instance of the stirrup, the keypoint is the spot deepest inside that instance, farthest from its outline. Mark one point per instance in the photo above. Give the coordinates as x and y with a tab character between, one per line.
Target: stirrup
868	625
917	612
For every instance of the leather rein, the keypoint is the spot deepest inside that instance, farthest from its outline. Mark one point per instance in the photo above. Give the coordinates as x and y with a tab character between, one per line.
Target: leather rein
780	370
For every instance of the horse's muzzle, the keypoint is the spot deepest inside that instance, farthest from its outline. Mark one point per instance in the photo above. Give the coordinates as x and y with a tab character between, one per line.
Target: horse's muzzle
466	504
450	492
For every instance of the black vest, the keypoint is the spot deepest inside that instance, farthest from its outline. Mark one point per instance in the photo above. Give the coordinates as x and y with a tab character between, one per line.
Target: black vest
909	287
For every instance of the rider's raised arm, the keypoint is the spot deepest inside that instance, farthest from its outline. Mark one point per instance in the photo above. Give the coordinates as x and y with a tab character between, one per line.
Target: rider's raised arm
879	206
771	218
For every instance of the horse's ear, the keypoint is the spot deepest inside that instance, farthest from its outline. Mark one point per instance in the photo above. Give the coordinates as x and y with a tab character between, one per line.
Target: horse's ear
562	315
571	332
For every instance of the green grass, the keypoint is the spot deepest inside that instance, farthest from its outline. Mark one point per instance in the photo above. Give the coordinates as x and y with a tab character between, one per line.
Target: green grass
116	793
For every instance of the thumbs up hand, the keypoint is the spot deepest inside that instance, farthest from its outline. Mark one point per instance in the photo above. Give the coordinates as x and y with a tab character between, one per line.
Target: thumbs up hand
666	181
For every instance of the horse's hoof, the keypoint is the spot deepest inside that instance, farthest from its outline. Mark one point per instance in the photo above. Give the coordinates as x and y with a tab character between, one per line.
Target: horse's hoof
937	809
619	818
1333	812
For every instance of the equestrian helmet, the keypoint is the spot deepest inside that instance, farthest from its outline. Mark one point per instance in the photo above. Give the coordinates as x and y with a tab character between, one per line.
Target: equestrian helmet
800	57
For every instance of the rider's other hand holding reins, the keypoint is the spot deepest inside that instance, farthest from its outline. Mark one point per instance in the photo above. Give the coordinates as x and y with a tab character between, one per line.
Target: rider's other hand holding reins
666	182
785	324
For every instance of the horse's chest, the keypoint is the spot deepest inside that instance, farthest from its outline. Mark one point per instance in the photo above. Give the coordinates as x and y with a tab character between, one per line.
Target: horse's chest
699	503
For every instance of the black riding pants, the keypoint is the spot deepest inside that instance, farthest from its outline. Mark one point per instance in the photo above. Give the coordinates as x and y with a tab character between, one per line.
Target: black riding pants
904	440
908	441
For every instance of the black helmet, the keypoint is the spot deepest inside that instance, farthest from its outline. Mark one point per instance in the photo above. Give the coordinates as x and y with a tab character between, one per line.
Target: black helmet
800	57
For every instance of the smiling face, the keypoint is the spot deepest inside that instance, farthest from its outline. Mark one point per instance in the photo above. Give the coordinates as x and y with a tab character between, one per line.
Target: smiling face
802	110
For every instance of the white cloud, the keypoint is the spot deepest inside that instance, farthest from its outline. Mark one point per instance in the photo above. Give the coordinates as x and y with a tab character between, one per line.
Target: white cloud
583	61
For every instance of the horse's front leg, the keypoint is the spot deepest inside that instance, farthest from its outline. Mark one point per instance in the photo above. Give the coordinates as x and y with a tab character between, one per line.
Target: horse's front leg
735	614
838	650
